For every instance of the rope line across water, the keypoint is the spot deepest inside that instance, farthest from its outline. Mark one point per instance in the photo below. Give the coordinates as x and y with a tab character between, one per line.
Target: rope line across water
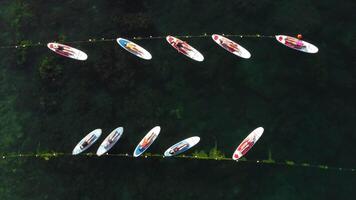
287	163
97	40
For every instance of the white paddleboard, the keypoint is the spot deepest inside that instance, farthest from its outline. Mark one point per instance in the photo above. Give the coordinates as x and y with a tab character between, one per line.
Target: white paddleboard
182	146
146	141
134	48
67	51
87	141
297	44
185	48
231	46
247	143
110	141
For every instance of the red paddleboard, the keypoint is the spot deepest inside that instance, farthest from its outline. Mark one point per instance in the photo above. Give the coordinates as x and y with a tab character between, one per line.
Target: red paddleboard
67	51
247	143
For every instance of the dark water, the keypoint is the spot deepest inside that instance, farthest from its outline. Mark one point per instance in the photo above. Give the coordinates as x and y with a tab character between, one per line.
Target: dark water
306	103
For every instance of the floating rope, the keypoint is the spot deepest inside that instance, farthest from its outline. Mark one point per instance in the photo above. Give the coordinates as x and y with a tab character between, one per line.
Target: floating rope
287	163
97	40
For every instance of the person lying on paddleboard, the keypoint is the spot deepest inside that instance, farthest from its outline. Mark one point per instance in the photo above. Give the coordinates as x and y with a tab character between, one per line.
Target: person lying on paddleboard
132	47
230	46
178	148
295	43
181	46
111	139
87	142
147	141
61	50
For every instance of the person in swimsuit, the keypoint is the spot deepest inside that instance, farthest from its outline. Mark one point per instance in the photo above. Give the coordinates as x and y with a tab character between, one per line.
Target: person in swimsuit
133	48
62	50
87	142
178	148
295	43
230	46
182	46
111	139
147	141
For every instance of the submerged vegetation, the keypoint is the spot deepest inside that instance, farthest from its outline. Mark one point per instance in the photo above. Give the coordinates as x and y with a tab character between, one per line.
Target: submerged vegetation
214	153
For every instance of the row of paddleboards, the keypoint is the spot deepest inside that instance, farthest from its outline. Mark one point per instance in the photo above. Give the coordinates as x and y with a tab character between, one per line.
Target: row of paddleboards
184	48
151	136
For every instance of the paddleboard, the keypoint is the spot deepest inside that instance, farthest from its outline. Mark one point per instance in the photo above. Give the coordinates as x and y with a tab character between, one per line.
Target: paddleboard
110	141
297	44
182	146
67	51
185	48
247	143
134	48
146	141
231	46
87	141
